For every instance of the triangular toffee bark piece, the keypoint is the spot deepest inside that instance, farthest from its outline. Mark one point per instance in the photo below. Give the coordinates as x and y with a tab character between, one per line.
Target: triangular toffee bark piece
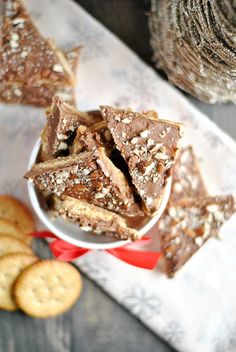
40	94
89	176
186	177
187	224
26	57
98	220
149	147
63	121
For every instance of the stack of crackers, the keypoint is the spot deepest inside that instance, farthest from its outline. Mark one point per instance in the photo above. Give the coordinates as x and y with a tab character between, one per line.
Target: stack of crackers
40	288
32	68
104	167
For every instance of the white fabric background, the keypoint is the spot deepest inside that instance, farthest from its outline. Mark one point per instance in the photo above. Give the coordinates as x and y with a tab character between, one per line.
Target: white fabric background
195	311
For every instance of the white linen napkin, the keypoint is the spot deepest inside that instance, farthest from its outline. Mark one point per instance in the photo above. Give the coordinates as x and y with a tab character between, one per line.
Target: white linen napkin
195	311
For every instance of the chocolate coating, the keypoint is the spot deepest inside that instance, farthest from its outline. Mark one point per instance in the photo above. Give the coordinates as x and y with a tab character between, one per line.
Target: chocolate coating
149	147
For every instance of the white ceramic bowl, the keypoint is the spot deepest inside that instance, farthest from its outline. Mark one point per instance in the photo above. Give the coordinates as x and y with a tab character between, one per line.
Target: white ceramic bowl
71	232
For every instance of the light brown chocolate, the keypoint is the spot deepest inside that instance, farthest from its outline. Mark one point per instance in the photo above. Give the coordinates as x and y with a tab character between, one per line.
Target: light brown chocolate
63	121
187	224
90	176
33	94
98	220
26	57
149	146
92	138
32	69
186	177
41	95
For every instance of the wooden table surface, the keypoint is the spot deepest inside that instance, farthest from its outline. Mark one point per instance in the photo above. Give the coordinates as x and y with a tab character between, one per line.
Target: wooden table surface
97	323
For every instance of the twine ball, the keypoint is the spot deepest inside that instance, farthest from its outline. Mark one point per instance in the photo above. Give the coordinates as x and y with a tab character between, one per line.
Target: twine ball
194	43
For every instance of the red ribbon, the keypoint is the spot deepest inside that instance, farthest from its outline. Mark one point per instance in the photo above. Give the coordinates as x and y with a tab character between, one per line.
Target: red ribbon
127	253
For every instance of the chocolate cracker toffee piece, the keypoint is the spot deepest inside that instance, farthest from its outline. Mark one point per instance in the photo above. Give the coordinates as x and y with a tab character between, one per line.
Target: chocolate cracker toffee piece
32	69
34	94
91	138
98	220
90	176
149	147
188	224
186	177
26	55
41	94
63	121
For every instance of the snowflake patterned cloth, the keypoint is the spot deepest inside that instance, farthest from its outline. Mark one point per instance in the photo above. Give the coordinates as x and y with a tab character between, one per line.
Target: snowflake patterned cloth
195	311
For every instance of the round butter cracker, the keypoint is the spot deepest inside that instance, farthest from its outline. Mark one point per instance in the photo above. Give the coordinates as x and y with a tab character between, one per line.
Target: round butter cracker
10	267
17	212
10	245
10	229
47	288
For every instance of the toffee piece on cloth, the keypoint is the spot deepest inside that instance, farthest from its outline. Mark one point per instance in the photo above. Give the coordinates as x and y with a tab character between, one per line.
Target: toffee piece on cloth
33	69
149	145
187	180
188	224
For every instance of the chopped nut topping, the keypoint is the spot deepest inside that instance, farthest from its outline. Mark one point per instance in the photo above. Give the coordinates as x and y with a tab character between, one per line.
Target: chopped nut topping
178	187
17	92
57	68
89	176
148	128
149	168
24	54
212	208
126	121
15	37
136	151
151	142
161	156
198	241
186	178
14	44
164	132
156	148
144	134
149	200
29	60
86	172
187	224
99	195
62	146
86	228
134	140
17	21
61	136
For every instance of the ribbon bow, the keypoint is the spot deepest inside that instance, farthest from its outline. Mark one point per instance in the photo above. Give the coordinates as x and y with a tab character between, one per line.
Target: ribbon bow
68	252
